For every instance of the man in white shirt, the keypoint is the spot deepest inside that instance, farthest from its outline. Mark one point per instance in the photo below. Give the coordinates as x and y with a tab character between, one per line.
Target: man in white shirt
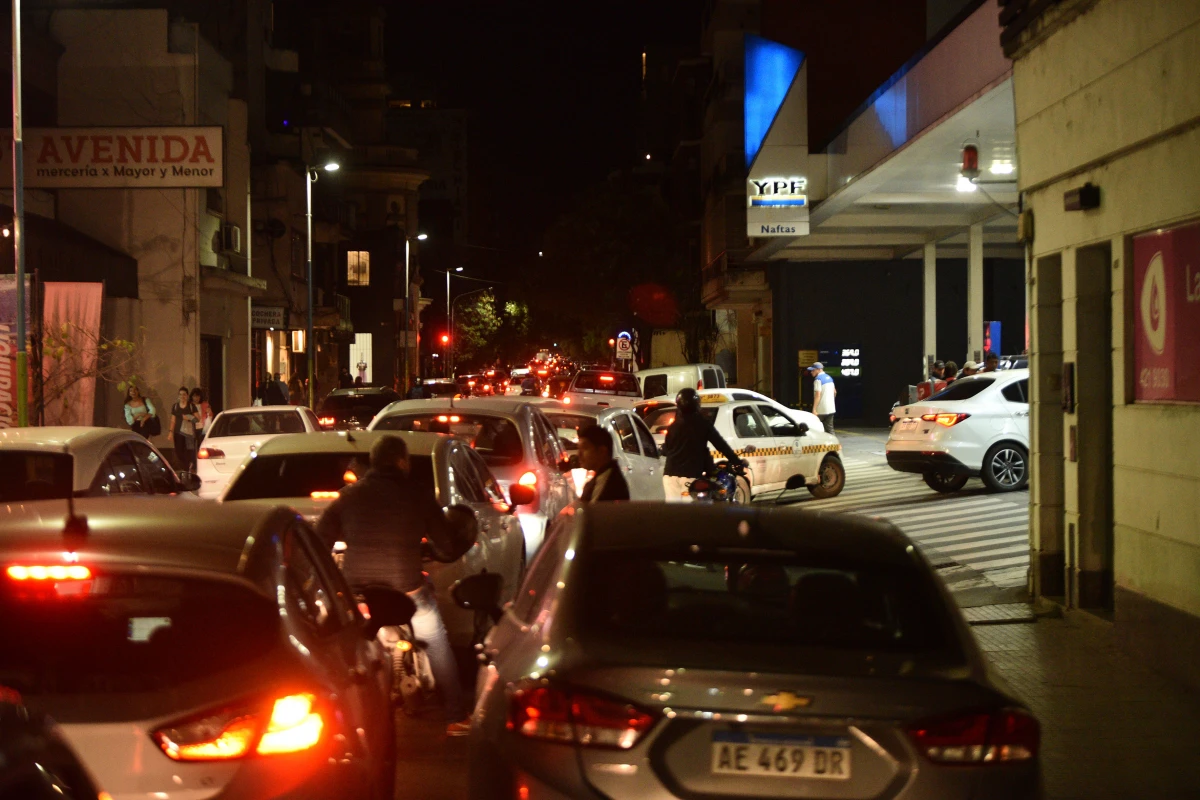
824	393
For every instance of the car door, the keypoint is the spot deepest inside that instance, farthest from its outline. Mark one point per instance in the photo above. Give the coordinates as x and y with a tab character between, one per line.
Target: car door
788	454
1016	398
629	456
560	493
507	543
651	458
119	474
753	441
467	489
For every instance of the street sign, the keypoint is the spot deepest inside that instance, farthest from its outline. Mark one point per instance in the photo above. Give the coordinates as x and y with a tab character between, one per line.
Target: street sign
624	349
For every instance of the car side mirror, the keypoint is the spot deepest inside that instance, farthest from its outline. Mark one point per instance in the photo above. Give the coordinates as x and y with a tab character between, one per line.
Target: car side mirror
795	482
386	607
803	428
569	463
521	495
188	481
479	593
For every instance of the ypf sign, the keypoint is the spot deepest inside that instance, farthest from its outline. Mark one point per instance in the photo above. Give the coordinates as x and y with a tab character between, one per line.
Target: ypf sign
1166	314
119	158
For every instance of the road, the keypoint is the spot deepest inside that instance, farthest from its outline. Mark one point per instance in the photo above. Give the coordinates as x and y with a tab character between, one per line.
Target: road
977	540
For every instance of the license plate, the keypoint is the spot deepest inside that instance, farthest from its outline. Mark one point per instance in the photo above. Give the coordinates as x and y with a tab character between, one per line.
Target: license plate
908	424
781	756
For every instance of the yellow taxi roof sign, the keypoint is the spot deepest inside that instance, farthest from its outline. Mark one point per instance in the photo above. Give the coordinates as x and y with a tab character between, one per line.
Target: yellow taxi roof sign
713	398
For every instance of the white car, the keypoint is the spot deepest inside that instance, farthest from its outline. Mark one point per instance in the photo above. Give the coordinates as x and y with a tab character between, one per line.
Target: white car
605	388
513	387
634	448
237	433
306	472
52	462
777	443
977	427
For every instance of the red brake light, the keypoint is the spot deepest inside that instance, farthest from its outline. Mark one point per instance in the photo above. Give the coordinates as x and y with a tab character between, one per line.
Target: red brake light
470	383
607	379
700	384
293	724
1007	735
528	479
210	452
324	495
53	572
349	477
327	420
553	714
944	419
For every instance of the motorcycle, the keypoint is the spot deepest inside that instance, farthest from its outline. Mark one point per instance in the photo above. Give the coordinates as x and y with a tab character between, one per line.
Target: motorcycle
718	486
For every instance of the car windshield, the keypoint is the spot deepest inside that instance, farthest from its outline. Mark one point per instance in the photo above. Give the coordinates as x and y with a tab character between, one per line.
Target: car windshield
779	602
494	438
620	383
301	474
251	423
35	475
139	633
963	389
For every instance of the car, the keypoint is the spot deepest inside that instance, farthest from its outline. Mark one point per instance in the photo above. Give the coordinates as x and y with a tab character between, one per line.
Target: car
36	762
658	416
634	448
214	654
439	388
556	387
738	652
306	472
515	439
515	379
976	427
353	409
237	433
604	388
667	381
59	460
777	443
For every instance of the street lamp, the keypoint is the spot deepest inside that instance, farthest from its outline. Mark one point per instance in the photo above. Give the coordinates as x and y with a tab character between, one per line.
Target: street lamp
310	177
408	240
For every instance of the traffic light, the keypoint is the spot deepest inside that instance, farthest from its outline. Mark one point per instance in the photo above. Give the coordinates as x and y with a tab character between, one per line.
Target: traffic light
445	338
612	342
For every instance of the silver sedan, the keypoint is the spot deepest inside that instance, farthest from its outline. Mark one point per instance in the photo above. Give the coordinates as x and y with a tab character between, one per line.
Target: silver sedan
737	652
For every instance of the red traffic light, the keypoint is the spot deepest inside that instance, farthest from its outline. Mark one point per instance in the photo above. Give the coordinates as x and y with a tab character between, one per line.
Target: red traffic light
445	338
612	342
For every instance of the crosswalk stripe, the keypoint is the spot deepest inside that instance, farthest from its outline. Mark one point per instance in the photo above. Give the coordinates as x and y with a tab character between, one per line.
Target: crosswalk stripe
974	546
963	537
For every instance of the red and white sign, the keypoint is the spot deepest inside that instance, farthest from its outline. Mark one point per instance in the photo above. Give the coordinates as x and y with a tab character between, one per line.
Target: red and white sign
1166	318
119	158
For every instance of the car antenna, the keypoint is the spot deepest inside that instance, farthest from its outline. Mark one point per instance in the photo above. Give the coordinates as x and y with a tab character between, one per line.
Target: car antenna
75	528
350	437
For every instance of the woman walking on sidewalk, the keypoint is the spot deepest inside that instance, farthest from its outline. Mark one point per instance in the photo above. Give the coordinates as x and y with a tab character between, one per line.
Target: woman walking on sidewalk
184	416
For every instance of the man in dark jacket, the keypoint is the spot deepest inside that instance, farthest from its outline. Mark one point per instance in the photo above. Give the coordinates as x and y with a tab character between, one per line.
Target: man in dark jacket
686	448
596	454
383	518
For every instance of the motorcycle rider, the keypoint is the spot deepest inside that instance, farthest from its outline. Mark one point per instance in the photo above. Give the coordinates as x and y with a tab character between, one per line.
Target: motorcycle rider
686	447
383	519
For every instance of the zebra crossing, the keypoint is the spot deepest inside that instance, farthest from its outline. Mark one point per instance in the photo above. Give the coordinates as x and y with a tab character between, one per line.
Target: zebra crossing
963	535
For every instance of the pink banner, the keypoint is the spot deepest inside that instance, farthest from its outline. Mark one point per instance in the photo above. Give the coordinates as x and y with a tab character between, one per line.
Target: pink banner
71	336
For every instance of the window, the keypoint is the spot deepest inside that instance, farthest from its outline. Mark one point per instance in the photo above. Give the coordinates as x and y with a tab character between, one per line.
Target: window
313	422
709	376
307	595
494	493
746	424
35	475
155	471
779	424
655	386
464	479
255	423
964	389
494	438
546	438
119	474
1017	392
301	474
624	429
619	383
358	268
649	448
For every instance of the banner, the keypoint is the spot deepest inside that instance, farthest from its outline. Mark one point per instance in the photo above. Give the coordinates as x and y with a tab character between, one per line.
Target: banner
71	326
119	158
8	347
1166	314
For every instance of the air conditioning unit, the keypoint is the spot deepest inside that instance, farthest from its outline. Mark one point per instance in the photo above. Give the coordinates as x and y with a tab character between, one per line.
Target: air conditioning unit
231	239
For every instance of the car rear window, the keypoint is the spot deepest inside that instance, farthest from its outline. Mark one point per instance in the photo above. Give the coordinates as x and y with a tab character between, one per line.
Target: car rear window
250	423
440	389
657	418
128	633
33	475
781	600
494	438
655	386
618	383
301	474
963	389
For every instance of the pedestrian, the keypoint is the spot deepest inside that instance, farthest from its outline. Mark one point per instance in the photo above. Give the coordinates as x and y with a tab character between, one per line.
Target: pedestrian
140	415
283	388
383	518
969	368
273	395
951	372
596	454
824	393
183	429
991	362
296	391
200	401
358	382
686	447
344	379
938	371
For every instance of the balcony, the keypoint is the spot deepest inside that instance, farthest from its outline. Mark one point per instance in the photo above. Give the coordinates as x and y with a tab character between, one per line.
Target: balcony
723	286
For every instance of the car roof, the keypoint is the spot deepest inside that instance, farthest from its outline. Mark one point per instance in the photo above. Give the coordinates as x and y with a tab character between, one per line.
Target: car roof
86	444
259	409
510	407
618	526
582	409
139	533
360	390
419	444
1004	376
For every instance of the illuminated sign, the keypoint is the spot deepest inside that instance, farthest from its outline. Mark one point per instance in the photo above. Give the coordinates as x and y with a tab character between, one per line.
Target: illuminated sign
777	193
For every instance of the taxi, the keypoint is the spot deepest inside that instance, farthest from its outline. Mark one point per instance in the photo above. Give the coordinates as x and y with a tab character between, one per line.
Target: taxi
777	443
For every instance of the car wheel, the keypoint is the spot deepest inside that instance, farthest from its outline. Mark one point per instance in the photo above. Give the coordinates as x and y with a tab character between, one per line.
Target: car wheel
1005	467
742	495
832	479
945	482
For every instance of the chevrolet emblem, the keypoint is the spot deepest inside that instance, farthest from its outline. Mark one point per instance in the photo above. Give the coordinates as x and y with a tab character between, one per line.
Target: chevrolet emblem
785	701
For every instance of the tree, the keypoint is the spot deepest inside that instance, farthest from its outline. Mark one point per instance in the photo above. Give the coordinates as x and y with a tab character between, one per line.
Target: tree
475	324
71	354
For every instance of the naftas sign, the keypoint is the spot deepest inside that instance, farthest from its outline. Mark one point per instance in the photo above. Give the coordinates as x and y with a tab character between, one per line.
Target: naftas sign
120	158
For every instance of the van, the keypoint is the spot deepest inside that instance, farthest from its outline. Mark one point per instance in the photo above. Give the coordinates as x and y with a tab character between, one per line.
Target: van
667	381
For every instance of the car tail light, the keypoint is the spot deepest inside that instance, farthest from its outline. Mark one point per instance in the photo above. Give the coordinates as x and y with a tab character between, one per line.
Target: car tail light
209	452
449	418
892	418
324	495
1007	735
528	479
470	383
349	476
327	421
700	384
944	419
10	696
567	400
292	724
53	572
558	715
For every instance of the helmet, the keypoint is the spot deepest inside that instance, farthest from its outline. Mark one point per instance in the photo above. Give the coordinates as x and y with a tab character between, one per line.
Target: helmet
688	400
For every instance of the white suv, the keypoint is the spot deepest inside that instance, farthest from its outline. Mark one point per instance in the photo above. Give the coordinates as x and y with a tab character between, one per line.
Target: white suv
977	427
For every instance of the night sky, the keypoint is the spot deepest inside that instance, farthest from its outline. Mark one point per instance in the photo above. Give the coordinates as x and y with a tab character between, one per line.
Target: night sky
553	88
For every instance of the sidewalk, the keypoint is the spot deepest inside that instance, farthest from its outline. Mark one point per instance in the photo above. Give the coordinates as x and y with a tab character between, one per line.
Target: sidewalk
1111	727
